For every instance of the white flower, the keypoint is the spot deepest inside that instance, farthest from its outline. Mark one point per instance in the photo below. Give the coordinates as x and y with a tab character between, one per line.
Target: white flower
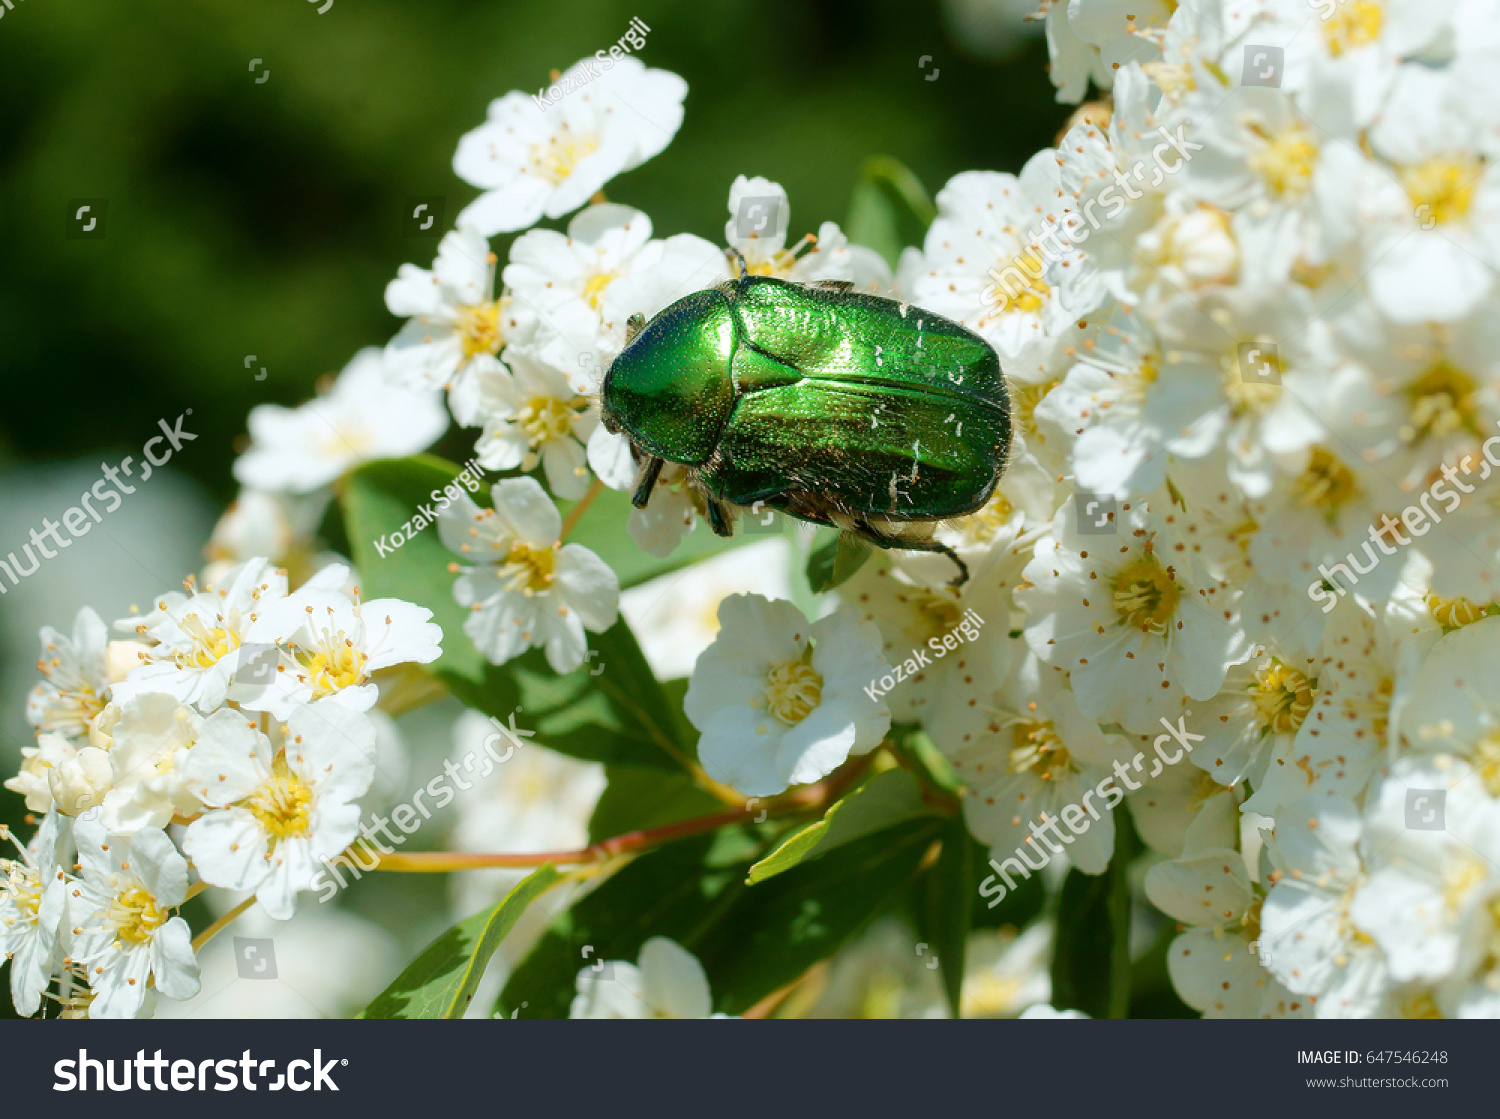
77	678
915	616
1134	615
565	278
363	417
336	643
1308	939
1430	892
676	616
1026	753
1263	704
454	321
534	415
33	780
1212	964
984	229
276	811
524	587
120	911
32	903
81	781
666	981
200	638
782	702
1428	229
532	161
759	219
148	738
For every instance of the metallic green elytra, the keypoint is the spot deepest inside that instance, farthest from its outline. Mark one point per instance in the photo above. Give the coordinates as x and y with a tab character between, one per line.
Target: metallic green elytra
845	409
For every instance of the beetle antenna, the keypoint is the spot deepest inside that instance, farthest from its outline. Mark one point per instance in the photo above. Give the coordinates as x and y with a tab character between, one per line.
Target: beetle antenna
739	256
645	482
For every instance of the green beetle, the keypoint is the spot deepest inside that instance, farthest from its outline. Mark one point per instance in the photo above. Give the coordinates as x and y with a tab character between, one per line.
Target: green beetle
844	409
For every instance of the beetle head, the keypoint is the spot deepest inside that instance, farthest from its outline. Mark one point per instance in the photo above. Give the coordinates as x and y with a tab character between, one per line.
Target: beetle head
670	389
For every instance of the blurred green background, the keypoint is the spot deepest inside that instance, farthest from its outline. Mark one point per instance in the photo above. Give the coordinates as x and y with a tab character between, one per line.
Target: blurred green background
265	218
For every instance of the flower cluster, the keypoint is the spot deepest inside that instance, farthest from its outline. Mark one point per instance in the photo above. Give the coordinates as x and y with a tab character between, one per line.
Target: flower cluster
1247	309
1247	315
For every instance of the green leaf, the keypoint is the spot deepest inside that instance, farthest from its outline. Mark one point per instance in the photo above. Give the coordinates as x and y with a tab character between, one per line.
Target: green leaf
1091	964
835	561
885	800
889	208
948	904
751	941
441	981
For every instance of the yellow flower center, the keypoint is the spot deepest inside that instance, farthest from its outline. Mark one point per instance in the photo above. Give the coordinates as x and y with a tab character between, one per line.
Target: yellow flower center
555	158
1442	402
1019	283
134	915
24	885
793	689
1024	399
545	418
593	288
529	569
982	526
1250	396
1283	697
479	328
1354	23
1419	1005
1285	161
334	667
282	804
210	644
1038	749
1326	484
1444	185
1454	613
1146	595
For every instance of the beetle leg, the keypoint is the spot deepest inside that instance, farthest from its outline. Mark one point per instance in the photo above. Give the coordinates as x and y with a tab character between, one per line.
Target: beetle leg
645	482
894	543
833	285
718	519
